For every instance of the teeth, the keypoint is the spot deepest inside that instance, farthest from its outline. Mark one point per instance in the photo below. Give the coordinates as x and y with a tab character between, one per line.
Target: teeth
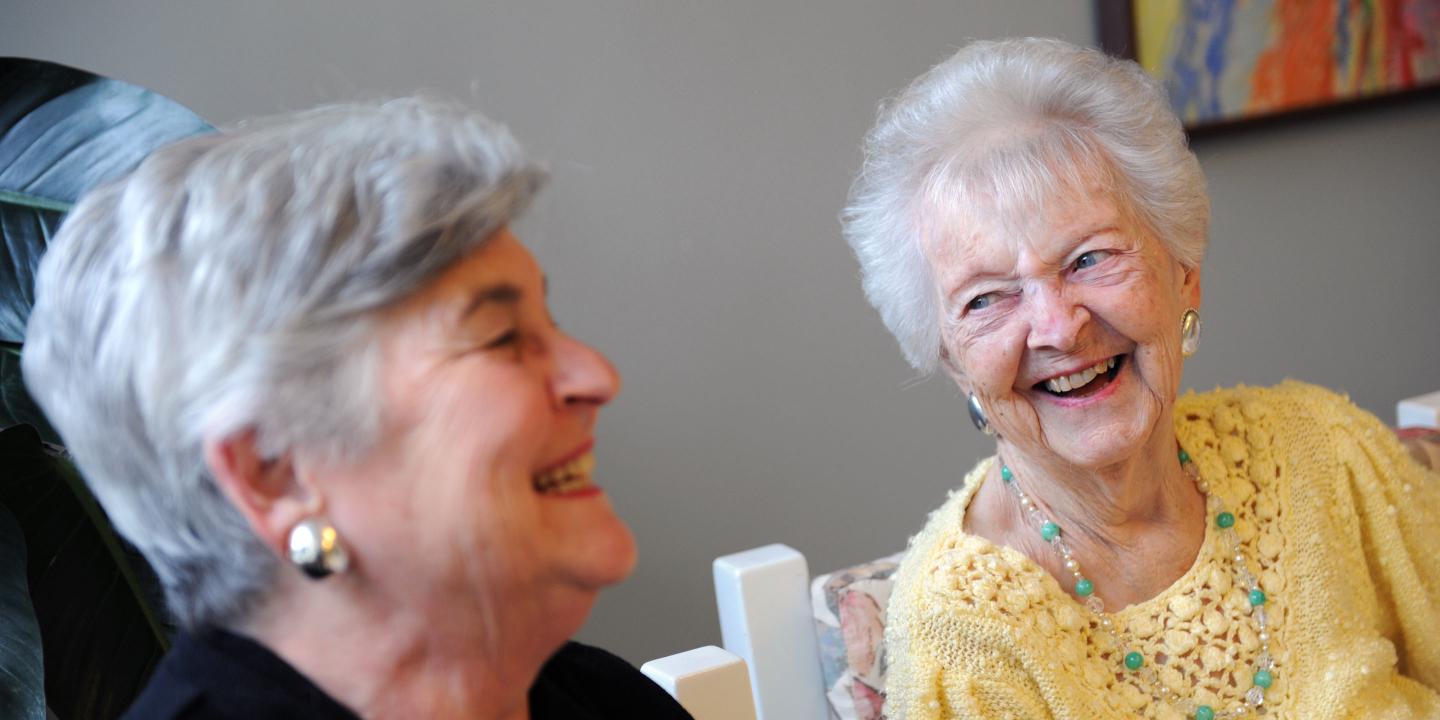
1066	383
569	477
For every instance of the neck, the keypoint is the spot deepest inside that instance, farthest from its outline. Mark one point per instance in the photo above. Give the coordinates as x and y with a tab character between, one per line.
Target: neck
392	662
1135	526
1114	504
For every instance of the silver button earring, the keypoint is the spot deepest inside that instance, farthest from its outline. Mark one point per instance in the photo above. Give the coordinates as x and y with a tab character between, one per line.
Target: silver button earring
316	549
977	415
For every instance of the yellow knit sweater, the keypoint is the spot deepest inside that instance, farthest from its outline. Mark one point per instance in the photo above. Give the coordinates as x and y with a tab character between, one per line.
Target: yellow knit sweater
1341	526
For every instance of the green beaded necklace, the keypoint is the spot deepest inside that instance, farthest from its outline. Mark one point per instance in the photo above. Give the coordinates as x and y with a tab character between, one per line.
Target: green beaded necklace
1133	660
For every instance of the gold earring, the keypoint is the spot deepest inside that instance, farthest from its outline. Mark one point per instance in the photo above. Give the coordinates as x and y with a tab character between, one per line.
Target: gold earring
1190	332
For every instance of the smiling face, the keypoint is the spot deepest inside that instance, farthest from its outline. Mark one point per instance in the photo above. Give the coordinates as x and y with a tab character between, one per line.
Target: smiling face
1066	325
477	501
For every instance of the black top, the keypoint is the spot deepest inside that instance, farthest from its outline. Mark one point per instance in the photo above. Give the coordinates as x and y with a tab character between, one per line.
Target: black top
218	675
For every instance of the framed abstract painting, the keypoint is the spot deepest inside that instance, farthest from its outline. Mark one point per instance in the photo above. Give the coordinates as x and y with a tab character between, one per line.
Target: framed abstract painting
1225	62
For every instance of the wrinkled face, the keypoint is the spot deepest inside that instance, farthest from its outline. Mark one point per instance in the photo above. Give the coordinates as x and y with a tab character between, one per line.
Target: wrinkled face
1065	325
478	495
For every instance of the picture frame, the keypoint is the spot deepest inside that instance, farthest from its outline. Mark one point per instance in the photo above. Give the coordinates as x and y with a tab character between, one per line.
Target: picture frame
1229	63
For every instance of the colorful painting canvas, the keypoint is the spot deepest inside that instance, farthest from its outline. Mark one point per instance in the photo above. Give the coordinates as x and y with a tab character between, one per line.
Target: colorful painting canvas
1223	60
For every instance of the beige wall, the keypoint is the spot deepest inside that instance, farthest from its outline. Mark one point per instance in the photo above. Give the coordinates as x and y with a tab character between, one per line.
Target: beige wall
701	150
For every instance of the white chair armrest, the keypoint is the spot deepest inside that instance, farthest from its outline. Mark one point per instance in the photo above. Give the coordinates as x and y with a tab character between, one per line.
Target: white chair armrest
1419	411
765	617
710	683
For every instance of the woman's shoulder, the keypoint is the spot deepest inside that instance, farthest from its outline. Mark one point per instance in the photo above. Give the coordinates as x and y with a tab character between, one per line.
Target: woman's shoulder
1294	414
1291	399
953	582
940	543
214	674
1248	437
969	606
581	682
1281	420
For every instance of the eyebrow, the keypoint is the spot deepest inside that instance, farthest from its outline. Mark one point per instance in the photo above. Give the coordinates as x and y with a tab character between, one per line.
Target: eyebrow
971	279
968	279
502	293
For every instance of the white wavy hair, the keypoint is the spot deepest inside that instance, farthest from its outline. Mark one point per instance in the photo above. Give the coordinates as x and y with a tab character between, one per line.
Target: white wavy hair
232	283
1003	127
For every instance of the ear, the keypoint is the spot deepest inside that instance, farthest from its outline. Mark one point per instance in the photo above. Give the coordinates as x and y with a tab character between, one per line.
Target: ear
269	493
1190	287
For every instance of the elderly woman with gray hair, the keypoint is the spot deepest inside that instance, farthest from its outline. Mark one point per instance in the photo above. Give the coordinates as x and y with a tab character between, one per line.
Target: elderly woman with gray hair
1030	219
310	373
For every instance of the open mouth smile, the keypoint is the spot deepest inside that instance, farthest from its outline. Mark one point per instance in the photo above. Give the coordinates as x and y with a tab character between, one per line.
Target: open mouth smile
569	476
1085	382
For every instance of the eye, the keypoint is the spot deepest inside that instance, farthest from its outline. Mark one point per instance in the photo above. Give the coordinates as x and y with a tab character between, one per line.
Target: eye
980	302
1091	259
509	337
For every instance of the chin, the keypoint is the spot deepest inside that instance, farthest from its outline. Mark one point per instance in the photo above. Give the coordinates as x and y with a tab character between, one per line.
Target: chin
1100	455
1105	433
1107	446
606	559
623	557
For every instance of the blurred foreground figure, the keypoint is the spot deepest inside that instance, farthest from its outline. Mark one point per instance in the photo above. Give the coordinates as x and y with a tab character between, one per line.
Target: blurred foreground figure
311	375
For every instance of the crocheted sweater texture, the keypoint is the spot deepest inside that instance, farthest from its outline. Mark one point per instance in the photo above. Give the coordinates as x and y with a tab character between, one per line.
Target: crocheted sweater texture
1337	520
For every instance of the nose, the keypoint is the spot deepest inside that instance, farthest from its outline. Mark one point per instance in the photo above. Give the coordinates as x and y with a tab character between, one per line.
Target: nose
1056	319
582	376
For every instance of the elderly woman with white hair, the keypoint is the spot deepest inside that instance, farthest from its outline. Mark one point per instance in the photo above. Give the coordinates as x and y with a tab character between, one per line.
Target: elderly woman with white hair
1030	219
309	372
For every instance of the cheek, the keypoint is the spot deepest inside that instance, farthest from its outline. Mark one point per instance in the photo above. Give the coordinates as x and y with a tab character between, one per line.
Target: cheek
1141	311
1147	317
472	503
493	425
468	467
989	363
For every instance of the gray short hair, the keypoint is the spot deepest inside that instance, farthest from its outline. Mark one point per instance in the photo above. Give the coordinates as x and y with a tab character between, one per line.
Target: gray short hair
1005	125
232	282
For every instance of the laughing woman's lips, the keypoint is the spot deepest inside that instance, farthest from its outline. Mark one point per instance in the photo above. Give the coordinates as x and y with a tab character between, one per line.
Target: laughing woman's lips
1086	383
1075	381
570	476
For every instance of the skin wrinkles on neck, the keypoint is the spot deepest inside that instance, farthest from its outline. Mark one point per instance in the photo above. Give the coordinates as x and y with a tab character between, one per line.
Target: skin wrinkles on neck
1136	526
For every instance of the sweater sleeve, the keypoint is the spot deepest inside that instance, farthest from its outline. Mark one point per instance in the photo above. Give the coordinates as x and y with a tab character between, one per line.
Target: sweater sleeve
1398	503
937	673
912	687
980	698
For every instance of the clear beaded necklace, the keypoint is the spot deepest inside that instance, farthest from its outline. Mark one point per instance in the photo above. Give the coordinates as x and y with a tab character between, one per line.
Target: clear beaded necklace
1134	660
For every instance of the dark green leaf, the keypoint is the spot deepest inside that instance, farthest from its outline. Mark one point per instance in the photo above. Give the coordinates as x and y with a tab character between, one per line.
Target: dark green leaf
93	596
62	132
16	406
22	677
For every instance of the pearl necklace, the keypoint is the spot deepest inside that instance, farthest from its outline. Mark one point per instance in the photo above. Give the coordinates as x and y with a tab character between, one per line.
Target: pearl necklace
1134	661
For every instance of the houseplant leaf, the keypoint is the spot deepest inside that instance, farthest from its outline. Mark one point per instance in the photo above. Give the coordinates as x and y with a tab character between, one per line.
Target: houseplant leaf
62	132
100	635
16	405
22	677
